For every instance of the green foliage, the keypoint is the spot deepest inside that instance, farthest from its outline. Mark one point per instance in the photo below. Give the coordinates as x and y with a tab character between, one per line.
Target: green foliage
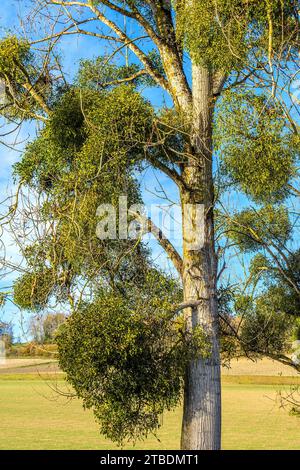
292	269
259	265
89	132
33	289
19	70
254	229
13	52
281	279
266	329
14	55
296	331
198	28
126	357
83	157
122	120
285	273
122	351
65	128
257	150
262	271
270	322
102	73
227	324
221	34
277	299
242	304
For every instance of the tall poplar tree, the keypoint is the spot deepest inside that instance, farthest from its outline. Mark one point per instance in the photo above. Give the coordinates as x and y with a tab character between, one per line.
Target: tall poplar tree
195	50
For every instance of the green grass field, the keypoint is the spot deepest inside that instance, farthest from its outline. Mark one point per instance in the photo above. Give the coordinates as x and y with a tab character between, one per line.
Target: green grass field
33	415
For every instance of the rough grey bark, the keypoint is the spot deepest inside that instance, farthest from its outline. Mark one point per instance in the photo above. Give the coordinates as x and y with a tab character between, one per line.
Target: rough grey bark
201	427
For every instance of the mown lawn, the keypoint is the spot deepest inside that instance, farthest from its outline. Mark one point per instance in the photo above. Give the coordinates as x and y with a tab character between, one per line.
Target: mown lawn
33	415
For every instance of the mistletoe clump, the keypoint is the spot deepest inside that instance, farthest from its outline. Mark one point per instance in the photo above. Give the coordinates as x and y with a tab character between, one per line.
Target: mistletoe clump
254	229
220	34
126	356
257	149
33	290
27	89
13	52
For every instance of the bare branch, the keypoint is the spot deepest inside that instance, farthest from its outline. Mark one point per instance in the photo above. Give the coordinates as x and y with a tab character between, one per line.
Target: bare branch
67	31
131	78
190	304
149	227
152	71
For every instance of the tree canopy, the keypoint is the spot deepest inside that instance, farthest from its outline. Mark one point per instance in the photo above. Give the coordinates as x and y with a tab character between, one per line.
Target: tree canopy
134	333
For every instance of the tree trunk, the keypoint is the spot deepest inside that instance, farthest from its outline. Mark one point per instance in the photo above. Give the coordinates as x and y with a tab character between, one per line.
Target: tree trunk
201	427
